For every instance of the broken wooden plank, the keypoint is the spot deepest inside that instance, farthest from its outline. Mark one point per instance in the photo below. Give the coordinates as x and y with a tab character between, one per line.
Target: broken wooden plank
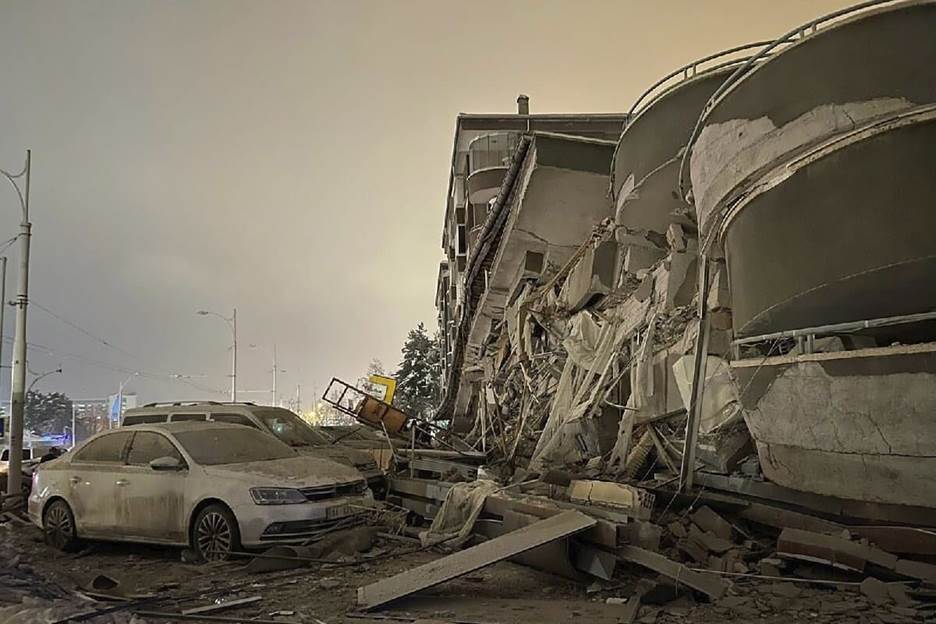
220	606
471	559
680	574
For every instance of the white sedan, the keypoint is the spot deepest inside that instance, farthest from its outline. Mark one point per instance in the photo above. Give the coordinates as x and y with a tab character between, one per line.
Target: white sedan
217	487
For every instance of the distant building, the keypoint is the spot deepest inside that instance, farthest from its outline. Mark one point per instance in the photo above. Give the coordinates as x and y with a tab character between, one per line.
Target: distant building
92	415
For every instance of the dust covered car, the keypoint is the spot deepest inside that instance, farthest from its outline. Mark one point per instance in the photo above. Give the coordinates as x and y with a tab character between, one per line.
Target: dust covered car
282	423
217	487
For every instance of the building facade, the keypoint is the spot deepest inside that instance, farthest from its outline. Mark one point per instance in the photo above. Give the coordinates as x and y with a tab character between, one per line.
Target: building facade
524	191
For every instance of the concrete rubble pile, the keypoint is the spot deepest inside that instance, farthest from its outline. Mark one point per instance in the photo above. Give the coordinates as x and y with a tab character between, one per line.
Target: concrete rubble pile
603	336
698	555
591	365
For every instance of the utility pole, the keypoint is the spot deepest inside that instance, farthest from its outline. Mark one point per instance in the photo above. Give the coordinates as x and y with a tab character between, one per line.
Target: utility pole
18	387
298	400
3	304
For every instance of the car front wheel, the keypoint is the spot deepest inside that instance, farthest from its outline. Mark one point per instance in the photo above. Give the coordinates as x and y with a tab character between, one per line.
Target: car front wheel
58	524
215	535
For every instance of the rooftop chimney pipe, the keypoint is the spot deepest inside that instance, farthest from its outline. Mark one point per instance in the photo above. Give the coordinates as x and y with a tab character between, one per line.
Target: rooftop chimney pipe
523	105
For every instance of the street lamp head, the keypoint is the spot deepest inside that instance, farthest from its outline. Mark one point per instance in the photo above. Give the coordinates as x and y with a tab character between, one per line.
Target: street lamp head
203	312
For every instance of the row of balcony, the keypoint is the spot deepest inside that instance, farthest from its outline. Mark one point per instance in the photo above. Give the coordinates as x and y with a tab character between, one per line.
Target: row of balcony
488	160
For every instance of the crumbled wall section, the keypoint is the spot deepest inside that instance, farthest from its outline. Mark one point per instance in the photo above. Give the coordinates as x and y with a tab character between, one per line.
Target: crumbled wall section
856	424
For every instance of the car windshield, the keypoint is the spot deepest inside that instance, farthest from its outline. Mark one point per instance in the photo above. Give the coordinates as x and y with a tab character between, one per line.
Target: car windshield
231	445
290	428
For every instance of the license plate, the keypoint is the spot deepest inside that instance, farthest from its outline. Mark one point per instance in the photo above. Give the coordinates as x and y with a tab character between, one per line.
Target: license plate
338	511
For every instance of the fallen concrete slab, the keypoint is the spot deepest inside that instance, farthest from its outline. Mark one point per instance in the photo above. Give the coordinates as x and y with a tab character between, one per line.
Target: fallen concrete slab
474	558
709	585
708	520
832	551
917	569
554	556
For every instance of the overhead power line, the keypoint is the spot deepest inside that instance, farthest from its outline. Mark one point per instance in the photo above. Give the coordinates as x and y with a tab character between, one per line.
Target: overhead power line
81	329
166	377
107	365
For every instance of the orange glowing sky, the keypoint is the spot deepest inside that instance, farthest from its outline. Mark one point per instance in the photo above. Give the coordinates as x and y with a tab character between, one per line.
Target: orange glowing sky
289	158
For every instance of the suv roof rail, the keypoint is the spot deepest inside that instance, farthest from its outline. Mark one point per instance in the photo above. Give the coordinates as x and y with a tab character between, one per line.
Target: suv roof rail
195	403
179	403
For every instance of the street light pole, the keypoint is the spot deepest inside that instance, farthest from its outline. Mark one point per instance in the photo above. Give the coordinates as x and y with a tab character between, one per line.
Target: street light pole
39	377
119	402
18	389
232	323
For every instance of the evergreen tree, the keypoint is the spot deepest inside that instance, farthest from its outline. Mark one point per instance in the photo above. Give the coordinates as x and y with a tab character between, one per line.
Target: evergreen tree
418	375
47	413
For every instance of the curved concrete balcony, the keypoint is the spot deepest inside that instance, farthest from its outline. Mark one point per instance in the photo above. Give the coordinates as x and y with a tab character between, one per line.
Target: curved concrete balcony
878	444
645	166
837	72
841	233
488	160
662	119
484	184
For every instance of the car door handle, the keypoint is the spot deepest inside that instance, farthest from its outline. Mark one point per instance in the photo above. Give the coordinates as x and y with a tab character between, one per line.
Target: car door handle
121	482
75	480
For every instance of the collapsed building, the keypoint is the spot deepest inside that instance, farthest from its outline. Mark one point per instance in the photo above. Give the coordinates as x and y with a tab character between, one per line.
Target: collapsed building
764	206
688	356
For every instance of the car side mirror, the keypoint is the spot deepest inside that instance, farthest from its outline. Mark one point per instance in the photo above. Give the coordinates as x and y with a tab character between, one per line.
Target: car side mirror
166	464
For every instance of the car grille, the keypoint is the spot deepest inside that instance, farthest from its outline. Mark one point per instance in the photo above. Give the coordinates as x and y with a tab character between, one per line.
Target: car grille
324	492
309	529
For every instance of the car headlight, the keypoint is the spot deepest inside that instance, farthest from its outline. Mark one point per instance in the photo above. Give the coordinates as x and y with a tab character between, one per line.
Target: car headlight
276	496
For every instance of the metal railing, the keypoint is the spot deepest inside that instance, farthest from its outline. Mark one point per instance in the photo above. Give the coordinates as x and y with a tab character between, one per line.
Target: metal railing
797	34
666	84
